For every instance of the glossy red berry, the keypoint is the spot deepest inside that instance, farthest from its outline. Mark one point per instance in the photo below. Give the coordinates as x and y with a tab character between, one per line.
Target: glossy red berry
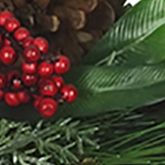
62	65
16	83
42	44
59	81
1	94
69	93
8	55
45	69
2	81
12	75
12	24
29	68
48	88
6	42
11	99
28	42
32	54
4	16
47	107
23	97
21	34
41	77
29	80
37	100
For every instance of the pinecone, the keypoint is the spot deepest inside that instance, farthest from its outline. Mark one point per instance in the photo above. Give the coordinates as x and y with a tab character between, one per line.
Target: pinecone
71	26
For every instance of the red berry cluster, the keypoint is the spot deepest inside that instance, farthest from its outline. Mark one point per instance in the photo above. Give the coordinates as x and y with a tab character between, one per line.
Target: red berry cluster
39	78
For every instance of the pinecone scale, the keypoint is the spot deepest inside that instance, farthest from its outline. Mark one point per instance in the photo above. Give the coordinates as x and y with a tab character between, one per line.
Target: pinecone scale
71	27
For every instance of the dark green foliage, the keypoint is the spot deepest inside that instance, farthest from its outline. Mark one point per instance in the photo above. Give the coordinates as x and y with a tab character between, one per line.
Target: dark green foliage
56	143
125	69
137	38
123	72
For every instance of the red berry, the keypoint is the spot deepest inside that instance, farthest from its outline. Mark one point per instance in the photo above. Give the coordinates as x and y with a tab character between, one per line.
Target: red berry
62	65
6	42
32	54
37	101
21	33
45	69
11	75
12	24
28	42
42	44
4	16
47	107
29	80
11	99
8	55
1	94
59	81
23	97
16	83
48	88
69	93
29	68
2	81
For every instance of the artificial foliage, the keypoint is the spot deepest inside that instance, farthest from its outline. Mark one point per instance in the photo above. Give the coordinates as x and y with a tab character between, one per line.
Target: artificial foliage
45	143
118	118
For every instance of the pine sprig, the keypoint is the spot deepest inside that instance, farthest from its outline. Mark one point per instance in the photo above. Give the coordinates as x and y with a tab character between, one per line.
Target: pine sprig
133	139
139	148
61	142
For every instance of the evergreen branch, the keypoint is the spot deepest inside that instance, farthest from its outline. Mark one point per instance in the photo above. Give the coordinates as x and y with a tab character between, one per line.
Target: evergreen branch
133	140
61	142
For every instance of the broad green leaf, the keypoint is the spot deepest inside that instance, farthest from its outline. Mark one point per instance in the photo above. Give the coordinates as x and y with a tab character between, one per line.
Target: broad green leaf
137	38
103	89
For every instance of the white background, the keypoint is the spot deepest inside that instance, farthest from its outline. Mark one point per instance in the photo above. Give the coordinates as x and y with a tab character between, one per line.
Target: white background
133	2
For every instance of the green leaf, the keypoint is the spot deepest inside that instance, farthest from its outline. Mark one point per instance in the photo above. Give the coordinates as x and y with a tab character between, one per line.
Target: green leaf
138	37
103	89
